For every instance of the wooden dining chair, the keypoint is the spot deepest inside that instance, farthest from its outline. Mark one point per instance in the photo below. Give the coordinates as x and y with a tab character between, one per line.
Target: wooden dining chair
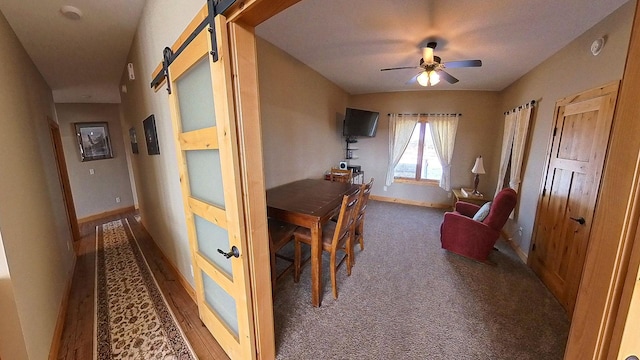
335	236
358	223
280	234
341	175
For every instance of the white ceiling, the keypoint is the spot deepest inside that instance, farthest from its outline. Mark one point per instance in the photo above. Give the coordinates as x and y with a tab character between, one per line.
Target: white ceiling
347	41
81	60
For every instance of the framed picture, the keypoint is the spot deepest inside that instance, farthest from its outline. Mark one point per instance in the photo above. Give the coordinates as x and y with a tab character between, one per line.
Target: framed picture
94	141
153	148
134	140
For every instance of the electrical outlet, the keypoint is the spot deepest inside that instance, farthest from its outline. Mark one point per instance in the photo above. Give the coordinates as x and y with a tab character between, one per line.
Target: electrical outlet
91	171
384	188
520	231
191	267
117	199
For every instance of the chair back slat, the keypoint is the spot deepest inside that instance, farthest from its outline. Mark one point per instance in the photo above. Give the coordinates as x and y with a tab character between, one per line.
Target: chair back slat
365	192
345	218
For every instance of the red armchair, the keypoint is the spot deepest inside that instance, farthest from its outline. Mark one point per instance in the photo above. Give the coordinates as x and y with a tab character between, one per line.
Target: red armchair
460	234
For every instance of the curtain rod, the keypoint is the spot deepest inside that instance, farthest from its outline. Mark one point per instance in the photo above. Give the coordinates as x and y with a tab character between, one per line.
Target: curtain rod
530	103
422	114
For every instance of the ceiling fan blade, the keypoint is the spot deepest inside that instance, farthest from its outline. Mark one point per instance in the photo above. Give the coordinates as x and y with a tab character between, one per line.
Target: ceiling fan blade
463	63
414	79
427	55
445	75
401	68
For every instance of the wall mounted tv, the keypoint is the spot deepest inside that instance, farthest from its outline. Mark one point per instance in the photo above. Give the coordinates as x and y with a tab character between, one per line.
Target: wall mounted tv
360	123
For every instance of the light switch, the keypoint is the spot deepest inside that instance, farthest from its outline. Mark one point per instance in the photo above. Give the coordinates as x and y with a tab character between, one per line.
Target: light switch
91	171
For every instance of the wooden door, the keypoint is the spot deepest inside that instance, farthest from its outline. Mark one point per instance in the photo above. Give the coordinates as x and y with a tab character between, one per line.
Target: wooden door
203	120
570	190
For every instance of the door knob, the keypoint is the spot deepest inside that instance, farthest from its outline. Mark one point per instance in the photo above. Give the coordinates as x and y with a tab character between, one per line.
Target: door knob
579	220
632	357
233	252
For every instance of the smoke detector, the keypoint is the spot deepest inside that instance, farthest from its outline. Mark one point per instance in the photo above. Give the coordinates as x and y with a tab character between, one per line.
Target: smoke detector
597	45
71	12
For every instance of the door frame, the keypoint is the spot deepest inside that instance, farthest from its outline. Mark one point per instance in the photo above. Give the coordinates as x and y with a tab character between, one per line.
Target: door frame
600	306
63	176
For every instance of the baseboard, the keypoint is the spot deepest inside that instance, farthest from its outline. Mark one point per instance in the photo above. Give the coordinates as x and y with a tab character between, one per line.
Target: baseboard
62	314
106	214
410	202
185	284
521	254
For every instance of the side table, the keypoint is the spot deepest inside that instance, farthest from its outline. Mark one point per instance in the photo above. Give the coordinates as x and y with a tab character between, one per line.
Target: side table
473	199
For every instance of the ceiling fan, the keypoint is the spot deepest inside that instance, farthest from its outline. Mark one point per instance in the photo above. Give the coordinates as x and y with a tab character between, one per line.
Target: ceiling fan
433	68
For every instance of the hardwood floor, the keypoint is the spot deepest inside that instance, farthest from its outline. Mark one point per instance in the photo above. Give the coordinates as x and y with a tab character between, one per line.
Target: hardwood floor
78	333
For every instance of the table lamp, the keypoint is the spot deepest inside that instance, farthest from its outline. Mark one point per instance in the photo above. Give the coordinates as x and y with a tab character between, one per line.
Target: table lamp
478	168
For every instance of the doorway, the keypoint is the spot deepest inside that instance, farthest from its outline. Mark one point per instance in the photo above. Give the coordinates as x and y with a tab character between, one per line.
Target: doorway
571	184
63	176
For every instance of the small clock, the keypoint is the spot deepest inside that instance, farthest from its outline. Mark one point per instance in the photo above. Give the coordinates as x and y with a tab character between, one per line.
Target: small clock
596	46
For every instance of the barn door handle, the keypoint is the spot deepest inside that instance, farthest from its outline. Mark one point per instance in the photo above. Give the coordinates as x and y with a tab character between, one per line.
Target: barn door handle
234	252
579	220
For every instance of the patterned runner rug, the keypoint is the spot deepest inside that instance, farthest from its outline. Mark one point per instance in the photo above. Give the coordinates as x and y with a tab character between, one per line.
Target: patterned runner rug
133	320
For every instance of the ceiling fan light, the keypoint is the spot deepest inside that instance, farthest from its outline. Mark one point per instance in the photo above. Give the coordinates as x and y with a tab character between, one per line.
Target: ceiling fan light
434	78
423	78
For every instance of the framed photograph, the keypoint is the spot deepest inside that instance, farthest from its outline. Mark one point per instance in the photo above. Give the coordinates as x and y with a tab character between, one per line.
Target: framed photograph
94	141
134	140
153	148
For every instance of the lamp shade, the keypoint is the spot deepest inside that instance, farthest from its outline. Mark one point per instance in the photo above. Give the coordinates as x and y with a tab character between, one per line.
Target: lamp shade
434	78
478	167
423	78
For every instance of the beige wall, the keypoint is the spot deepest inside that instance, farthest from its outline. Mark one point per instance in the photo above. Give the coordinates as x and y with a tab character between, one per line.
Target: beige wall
302	115
11	340
96	193
571	70
476	136
35	235
156	176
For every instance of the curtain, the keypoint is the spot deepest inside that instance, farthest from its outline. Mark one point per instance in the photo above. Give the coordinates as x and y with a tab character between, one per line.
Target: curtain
507	145
519	141
514	139
443	134
400	130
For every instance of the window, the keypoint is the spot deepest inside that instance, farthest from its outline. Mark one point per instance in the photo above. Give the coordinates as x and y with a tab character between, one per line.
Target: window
419	161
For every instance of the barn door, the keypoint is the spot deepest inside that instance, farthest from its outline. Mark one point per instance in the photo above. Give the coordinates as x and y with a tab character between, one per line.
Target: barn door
570	190
202	112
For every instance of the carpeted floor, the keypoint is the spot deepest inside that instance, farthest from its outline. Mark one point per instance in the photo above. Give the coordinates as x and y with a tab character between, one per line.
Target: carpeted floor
407	298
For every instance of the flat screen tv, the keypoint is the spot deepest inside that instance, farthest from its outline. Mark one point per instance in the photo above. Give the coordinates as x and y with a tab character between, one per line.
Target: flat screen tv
360	123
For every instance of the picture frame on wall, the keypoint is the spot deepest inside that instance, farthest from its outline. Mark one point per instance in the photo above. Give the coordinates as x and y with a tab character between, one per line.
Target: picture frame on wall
150	135
134	140
94	141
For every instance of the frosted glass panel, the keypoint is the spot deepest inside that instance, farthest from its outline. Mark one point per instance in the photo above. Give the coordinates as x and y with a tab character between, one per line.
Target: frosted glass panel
220	302
205	176
195	97
212	237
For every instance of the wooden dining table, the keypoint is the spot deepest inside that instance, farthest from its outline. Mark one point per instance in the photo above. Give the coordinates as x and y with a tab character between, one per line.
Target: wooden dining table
309	203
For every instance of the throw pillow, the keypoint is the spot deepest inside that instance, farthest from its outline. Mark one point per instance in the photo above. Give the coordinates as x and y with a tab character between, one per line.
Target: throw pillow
482	212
